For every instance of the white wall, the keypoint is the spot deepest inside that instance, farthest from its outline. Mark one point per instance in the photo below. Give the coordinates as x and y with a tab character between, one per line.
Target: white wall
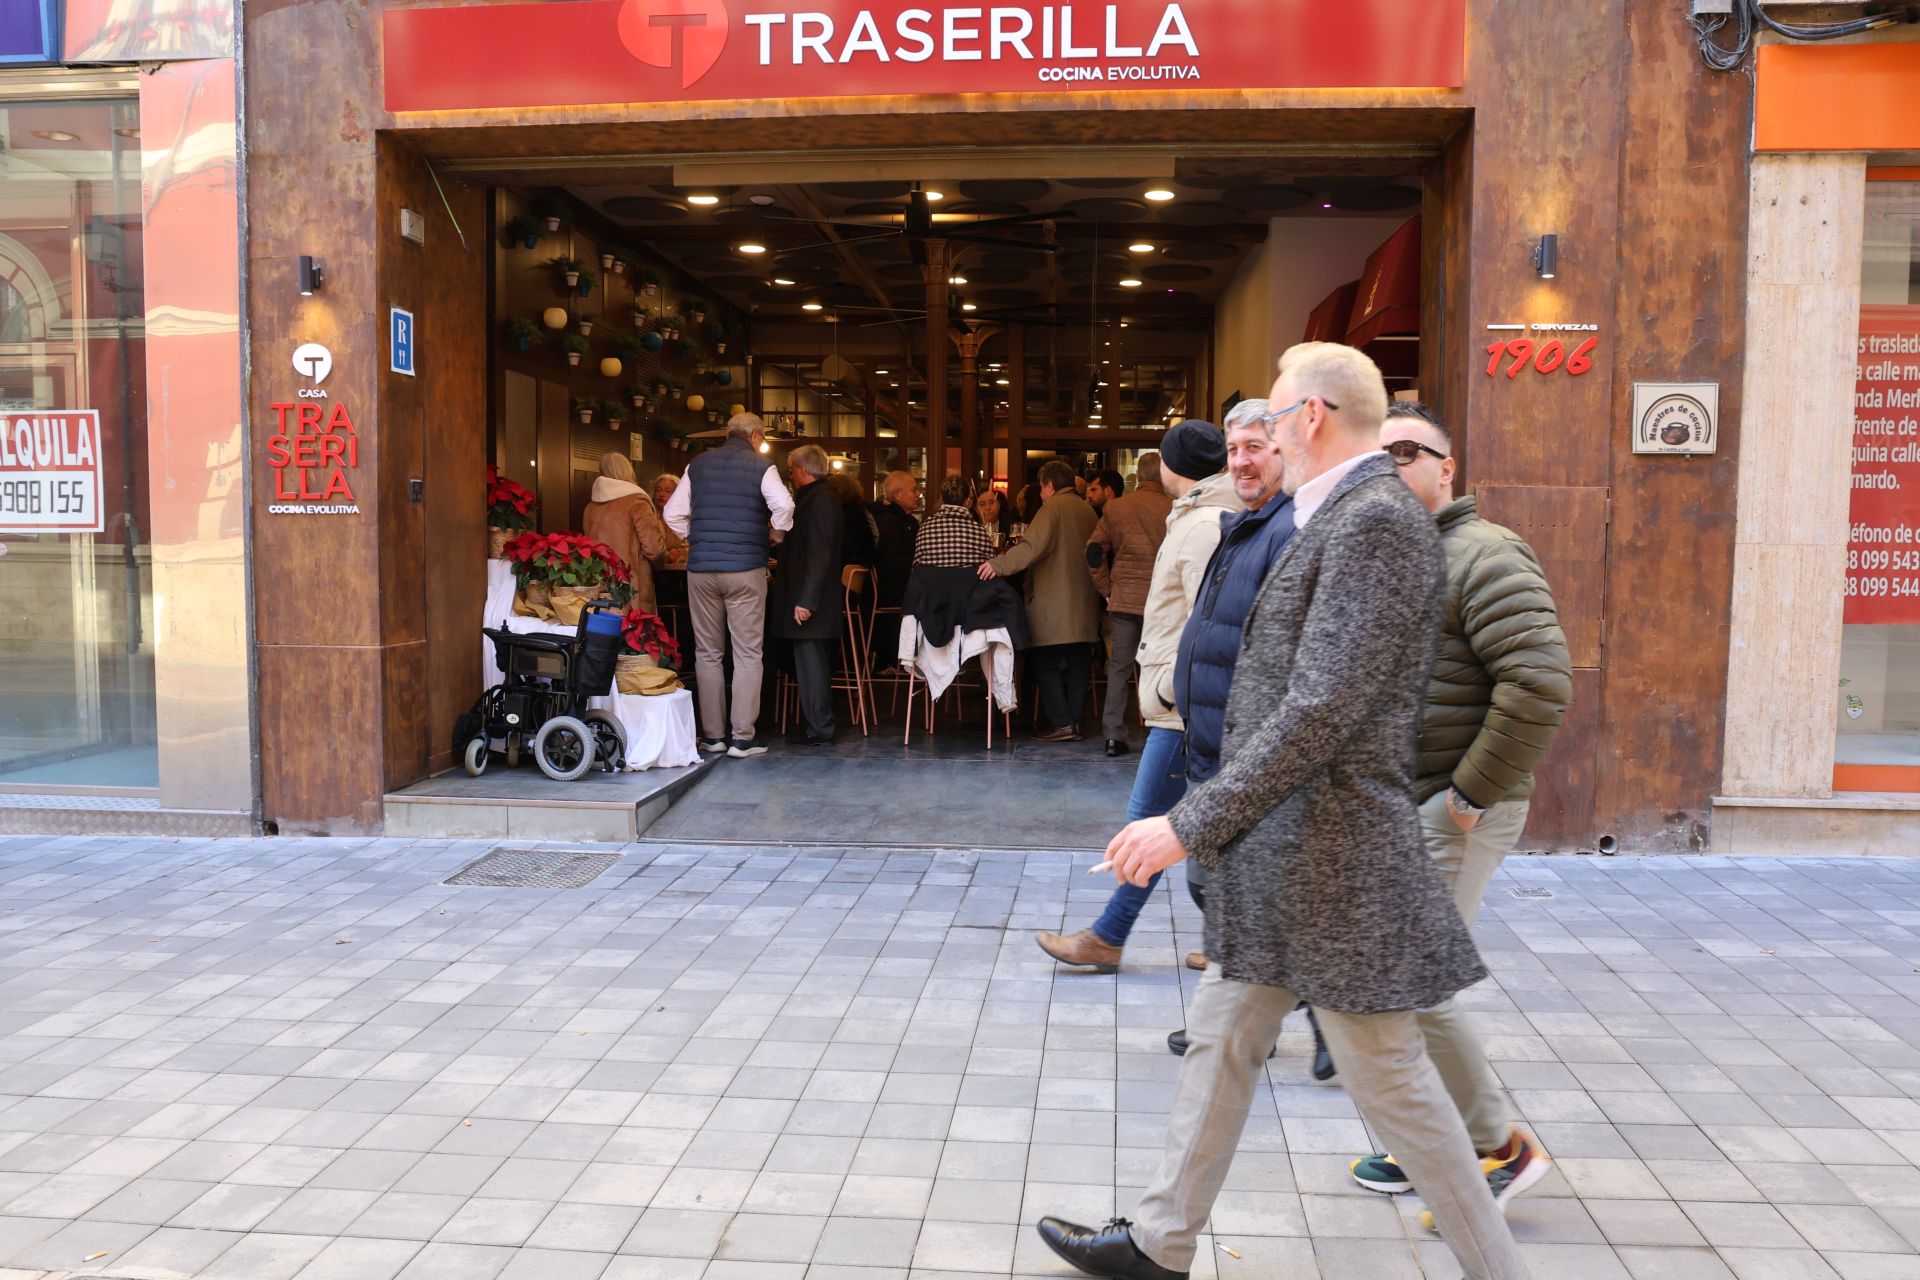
1264	308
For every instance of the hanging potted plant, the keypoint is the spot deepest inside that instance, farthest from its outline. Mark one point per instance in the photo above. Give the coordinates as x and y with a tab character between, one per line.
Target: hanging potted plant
646	280
660	385
524	232
606	261
575	346
637	394
615	413
683	348
641	318
694	310
651	649
586	323
676	387
510	508
716	335
623	259
522	333
567	270
583	410
588	279
551	208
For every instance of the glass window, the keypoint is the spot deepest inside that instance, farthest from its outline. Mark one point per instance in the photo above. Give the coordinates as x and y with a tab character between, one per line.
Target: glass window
76	587
1878	702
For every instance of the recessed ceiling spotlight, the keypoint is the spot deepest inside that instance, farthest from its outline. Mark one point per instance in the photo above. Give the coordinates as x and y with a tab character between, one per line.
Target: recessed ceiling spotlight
956	279
703	200
1158	195
753	247
761	199
56	135
968	306
882	372
1125	323
935	195
1141	247
1326	204
781	280
1129	283
1001	382
810	306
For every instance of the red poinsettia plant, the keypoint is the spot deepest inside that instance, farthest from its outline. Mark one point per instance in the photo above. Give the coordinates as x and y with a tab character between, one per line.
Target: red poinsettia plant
568	560
510	505
648	633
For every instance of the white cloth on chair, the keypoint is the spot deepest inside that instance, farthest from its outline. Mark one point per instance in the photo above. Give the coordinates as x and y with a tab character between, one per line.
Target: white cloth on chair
937	665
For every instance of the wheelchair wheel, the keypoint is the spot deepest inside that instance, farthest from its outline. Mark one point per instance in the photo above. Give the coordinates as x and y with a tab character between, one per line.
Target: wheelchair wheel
564	748
513	749
477	756
610	741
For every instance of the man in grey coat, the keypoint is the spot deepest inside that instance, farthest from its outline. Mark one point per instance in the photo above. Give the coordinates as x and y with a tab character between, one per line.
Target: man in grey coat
1321	888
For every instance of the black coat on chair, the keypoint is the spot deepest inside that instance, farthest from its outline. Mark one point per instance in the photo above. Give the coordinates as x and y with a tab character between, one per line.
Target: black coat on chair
807	570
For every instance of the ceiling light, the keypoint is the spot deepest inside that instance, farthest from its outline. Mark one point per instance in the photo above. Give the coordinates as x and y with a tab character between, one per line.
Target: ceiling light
751	247
781	280
956	279
968	306
893	384
56	135
1129	283
935	195
1326	204
703	200
810	306
1142	247
883	372
765	447
1159	195
1125	323
762	199
1001	382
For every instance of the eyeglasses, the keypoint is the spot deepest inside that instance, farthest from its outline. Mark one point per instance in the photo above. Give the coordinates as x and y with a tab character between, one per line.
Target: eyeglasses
1407	452
1270	419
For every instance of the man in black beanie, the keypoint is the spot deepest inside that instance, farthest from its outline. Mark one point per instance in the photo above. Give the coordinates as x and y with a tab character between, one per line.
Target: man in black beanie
1191	457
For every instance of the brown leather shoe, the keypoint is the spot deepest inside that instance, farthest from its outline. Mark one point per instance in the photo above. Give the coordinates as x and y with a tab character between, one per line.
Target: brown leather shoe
1057	734
1197	960
1084	949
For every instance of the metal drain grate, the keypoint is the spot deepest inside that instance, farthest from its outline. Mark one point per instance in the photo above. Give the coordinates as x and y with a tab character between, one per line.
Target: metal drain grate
534	869
1528	891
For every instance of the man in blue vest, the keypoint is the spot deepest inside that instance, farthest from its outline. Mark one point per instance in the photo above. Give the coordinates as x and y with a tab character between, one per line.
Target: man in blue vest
726	507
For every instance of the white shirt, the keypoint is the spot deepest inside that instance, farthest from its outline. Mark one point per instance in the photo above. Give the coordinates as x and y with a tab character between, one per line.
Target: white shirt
679	512
1312	495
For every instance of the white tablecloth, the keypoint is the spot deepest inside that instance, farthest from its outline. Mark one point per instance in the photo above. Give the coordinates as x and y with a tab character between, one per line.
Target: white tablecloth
659	727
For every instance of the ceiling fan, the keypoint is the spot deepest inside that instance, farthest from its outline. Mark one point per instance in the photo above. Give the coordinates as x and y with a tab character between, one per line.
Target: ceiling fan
917	226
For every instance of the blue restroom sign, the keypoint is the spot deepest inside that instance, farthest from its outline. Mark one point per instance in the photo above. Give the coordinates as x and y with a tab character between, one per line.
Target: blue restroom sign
400	335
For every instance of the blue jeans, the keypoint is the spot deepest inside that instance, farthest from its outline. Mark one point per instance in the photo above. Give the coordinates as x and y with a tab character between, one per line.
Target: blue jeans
1157	787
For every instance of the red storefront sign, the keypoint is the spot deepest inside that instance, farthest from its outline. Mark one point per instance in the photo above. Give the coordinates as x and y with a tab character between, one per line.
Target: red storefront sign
311	452
50	471
599	52
1883	541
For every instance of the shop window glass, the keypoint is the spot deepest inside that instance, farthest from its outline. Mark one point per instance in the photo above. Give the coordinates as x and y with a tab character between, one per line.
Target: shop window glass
76	603
1877	747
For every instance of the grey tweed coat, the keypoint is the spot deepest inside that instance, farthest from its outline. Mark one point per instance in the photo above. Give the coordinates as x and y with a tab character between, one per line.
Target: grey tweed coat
1320	882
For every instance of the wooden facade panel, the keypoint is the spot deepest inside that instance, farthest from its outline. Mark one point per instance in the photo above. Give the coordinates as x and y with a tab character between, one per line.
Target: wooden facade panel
1567	529
1447	345
320	712
1561	815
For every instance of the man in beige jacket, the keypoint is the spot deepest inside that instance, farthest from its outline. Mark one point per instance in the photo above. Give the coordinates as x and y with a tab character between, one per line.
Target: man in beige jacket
1063	611
1190	469
1121	556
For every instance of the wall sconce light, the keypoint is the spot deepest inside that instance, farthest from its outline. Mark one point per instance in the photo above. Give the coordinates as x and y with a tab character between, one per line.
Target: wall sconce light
1546	256
311	276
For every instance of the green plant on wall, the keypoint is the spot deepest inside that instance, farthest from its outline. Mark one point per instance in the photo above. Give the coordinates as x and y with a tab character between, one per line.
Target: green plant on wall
522	333
524	232
551	208
566	271
583	409
575	346
587	321
683	348
614	412
588	279
624	258
645	279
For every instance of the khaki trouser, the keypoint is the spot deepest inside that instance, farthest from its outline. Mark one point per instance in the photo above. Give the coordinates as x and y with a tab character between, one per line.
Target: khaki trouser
728	605
1467	861
1123	645
1384	1066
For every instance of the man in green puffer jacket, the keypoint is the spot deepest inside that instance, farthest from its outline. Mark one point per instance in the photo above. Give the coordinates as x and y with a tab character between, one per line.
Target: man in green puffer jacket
1501	686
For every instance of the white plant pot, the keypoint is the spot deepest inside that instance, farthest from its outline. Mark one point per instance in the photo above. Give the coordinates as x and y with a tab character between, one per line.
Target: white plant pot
586	415
606	262
619	267
553	224
573	357
586	327
573	279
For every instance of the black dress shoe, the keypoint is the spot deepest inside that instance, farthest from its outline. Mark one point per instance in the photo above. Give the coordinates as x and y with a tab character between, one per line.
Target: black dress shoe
808	740
1177	1044
1323	1068
1117	747
1109	1251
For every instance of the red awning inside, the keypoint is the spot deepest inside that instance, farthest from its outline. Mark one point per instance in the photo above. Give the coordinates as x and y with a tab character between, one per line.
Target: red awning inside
1389	300
1330	321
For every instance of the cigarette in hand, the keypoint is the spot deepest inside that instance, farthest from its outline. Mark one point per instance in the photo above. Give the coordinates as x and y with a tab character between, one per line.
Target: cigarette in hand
1105	866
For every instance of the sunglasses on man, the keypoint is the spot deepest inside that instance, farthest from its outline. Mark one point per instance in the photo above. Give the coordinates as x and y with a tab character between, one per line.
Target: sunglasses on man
1407	452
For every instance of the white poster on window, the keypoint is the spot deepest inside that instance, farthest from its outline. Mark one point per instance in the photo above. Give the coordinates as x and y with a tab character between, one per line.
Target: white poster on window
50	471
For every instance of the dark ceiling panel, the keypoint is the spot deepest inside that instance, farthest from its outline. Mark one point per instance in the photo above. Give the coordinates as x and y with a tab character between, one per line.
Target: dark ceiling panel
1379	200
1267	196
992	275
985	208
683	192
873	209
1200	213
904	272
1108	209
1014	190
866	190
750	215
1007	297
1102	184
643	209
1014	260
1176	272
1202	250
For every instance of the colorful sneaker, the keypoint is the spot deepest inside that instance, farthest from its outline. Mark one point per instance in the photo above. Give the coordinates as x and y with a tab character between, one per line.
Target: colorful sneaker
1506	1178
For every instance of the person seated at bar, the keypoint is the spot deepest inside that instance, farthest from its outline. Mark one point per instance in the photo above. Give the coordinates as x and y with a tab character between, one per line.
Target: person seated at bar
620	514
675	556
951	538
995	513
1063	609
860	532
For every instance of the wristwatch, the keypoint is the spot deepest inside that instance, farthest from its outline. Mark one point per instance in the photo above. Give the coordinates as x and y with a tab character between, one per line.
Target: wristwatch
1463	805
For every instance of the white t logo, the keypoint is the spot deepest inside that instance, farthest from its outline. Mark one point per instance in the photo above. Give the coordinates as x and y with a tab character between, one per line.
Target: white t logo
312	360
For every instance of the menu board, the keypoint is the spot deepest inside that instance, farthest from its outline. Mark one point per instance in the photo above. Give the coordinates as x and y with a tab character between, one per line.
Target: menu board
50	471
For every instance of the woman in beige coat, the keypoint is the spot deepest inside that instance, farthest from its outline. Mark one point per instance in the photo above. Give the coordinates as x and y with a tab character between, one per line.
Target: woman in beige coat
622	516
1063	609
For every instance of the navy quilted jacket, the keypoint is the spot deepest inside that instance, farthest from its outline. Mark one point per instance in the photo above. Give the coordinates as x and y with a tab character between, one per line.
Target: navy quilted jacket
1250	542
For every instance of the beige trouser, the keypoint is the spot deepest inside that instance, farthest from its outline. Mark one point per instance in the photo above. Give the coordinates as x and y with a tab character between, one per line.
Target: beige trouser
727	605
1384	1066
1467	861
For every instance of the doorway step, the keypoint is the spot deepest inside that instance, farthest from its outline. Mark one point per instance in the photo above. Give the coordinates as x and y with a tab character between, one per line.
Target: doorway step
525	804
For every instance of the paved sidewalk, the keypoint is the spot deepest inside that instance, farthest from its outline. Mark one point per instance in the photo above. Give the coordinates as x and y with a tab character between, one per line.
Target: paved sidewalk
253	1060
